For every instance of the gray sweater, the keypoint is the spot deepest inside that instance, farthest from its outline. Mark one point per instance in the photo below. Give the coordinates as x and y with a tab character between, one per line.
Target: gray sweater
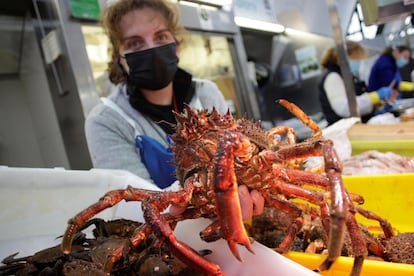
111	138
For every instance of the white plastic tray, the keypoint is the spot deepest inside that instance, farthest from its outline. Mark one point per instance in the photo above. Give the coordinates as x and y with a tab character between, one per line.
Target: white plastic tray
35	205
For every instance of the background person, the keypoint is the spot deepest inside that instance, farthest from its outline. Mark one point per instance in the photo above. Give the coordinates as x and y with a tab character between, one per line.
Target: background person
145	37
385	71
332	92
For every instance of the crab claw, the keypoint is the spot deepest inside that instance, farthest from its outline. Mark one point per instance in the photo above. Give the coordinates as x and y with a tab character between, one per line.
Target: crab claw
227	198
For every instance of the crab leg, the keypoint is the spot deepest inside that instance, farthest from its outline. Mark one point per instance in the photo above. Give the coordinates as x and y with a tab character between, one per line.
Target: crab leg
161	228
339	205
385	225
359	246
226	195
108	200
153	203
295	110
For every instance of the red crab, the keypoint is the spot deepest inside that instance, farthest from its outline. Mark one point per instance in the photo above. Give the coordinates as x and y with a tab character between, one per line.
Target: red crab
214	154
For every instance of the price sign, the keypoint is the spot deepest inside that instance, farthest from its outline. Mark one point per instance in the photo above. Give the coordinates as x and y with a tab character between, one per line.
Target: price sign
85	9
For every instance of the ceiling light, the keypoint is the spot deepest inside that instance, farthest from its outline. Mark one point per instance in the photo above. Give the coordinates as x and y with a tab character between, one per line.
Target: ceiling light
216	3
190	4
258	25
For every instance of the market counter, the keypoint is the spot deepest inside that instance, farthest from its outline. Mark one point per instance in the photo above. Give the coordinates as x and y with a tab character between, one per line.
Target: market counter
398	138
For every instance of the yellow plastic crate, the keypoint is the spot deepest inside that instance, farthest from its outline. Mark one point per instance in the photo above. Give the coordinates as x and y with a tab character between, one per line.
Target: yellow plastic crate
401	147
391	197
343	265
398	138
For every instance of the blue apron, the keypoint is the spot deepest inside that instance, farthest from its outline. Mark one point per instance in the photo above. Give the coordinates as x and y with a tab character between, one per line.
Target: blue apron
157	159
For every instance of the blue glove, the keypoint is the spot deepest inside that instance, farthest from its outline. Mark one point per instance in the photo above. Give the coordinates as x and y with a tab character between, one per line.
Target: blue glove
387	108
384	92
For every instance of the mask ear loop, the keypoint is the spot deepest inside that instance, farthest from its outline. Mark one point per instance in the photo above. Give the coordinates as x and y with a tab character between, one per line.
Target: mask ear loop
125	75
122	69
116	60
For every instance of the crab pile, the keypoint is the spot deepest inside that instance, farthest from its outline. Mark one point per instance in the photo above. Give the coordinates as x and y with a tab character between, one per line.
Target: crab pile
90	254
214	154
269	227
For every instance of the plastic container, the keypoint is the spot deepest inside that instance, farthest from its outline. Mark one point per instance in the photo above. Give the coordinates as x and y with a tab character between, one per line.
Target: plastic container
343	266
391	197
38	202
398	138
35	205
401	147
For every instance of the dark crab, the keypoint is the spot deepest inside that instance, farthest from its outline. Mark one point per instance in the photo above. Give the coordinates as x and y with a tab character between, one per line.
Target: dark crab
90	255
214	154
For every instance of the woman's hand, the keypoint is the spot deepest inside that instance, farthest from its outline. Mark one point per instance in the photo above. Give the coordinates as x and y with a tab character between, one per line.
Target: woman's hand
176	210
251	203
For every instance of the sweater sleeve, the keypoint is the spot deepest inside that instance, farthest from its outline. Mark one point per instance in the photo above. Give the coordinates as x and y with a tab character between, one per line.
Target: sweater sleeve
336	93
111	142
365	104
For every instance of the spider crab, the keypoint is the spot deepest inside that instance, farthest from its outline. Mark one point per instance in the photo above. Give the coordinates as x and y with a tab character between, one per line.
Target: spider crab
214	154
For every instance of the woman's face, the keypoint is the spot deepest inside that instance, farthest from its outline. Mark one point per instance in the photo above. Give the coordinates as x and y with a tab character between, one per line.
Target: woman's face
142	29
404	54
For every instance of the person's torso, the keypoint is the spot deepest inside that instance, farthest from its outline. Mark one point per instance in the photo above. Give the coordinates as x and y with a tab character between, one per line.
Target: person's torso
330	115
383	73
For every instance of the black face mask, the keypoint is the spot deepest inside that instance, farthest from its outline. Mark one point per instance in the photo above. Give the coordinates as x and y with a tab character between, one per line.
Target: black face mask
153	68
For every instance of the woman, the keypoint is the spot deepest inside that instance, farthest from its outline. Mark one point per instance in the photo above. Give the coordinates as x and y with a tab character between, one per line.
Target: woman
145	37
385	71
332	92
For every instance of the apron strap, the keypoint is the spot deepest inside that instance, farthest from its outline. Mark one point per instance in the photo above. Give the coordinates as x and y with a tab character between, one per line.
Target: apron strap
116	108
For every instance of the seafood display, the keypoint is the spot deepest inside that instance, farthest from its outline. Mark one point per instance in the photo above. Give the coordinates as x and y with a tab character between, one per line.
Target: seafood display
89	255
374	162
214	154
269	228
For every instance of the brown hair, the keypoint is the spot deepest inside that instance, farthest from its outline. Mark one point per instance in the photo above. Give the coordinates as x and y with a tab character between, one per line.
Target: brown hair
111	18
330	56
355	50
400	49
